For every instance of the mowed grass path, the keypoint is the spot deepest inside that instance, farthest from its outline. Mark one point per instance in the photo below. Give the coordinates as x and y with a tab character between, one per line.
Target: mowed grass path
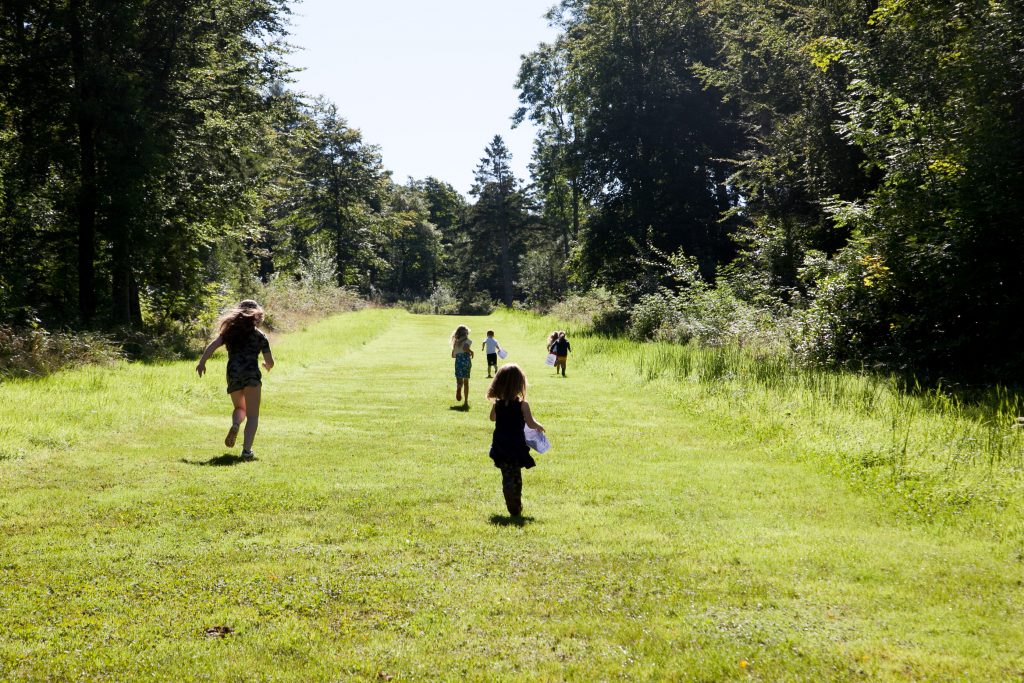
368	539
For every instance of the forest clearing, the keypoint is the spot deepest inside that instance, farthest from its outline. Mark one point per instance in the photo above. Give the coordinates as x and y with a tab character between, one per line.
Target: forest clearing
684	526
759	260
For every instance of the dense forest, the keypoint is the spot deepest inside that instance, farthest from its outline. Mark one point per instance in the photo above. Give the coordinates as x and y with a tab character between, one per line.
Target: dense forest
841	179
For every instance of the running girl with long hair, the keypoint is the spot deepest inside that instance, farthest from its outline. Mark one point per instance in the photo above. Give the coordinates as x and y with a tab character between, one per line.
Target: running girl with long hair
238	330
462	352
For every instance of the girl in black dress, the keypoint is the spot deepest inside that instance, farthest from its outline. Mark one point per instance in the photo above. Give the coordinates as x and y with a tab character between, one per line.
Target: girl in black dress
509	414
240	333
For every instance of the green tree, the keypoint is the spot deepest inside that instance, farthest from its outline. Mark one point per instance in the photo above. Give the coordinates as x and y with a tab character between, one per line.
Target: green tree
792	160
345	187
413	251
627	120
550	100
499	219
931	279
448	212
145	138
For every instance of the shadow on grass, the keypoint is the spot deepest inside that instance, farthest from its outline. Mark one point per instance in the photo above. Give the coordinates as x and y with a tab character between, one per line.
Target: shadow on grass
505	520
226	460
460	408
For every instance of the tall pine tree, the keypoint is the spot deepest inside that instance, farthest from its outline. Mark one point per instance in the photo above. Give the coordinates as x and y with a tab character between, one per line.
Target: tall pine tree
500	219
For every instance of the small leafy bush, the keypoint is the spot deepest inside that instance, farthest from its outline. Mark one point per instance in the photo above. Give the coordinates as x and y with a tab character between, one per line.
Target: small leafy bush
705	314
442	301
653	317
543	275
320	270
478	304
290	303
849	312
597	310
33	351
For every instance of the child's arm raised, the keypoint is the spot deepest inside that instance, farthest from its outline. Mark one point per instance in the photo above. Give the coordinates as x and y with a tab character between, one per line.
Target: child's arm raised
528	418
213	346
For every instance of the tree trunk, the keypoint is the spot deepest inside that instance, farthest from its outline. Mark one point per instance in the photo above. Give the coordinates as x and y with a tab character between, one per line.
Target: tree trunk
134	303
339	255
506	249
87	192
575	185
120	283
506	265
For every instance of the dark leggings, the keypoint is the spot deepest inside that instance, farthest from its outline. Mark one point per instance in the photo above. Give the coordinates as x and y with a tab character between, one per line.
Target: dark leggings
512	487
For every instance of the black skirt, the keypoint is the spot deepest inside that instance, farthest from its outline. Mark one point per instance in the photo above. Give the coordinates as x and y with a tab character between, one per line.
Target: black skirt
515	457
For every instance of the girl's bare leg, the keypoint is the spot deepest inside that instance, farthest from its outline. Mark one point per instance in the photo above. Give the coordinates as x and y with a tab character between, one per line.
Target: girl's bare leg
252	404
238	401
237	416
458	390
465	391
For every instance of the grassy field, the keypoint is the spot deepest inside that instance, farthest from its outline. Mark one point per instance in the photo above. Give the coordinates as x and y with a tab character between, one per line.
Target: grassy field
700	517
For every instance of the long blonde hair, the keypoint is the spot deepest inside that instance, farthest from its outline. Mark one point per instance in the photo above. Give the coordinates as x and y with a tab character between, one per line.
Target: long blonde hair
461	334
240	321
509	384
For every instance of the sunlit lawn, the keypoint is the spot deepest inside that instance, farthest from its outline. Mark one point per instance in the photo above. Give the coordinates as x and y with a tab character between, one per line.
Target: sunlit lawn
669	535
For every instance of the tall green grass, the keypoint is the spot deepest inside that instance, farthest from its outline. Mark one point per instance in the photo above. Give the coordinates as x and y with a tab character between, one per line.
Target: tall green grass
939	453
681	529
932	424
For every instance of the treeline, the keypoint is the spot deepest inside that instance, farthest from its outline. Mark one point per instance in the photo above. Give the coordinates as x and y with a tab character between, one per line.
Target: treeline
852	166
154	159
136	135
843	178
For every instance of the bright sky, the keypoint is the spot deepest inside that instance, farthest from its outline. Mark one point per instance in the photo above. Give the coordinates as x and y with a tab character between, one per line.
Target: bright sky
430	82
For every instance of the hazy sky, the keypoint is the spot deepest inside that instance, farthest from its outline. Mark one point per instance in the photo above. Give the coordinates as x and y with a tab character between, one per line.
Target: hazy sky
431	82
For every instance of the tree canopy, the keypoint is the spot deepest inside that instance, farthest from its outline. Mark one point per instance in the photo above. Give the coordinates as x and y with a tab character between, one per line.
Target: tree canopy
852	165
859	162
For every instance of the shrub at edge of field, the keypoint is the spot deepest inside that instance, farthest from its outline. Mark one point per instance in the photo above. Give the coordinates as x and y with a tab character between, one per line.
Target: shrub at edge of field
290	304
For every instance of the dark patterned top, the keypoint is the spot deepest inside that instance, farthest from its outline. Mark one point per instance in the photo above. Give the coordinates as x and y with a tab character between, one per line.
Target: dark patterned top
244	358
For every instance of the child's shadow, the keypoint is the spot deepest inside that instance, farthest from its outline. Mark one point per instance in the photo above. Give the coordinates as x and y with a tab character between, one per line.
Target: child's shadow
460	407
226	460
505	520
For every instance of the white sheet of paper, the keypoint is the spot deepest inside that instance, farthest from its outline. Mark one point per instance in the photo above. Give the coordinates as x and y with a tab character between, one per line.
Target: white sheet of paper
502	354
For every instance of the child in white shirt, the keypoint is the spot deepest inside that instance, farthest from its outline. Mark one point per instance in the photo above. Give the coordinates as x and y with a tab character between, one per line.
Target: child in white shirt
491	346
